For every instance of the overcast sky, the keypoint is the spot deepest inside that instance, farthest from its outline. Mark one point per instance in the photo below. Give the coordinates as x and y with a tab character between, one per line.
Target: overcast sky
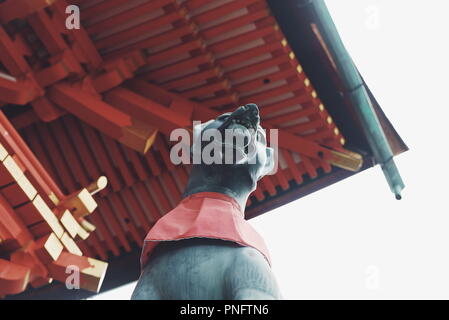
353	240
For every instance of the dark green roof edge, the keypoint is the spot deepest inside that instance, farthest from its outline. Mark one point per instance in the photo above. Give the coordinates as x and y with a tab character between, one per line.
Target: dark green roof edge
312	34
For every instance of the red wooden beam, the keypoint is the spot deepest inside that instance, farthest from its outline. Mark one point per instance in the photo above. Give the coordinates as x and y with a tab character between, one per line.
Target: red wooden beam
90	109
18	9
9	136
147	110
13	278
17	91
122	17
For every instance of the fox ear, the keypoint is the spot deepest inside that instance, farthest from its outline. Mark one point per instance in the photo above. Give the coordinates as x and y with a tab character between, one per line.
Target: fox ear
269	163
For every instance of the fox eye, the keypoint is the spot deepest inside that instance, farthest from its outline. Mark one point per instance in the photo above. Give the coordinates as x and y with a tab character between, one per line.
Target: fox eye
261	137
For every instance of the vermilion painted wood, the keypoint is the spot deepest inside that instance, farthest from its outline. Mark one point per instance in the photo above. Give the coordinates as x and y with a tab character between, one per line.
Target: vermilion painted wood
216	81
125	16
154	166
58	268
13	277
13	229
300	97
307	147
110	244
285	185
258	193
187	64
182	175
193	4
136	163
146	110
90	109
138	30
114	153
87	249
148	201
11	56
17	92
159	195
222	10
119	207
31	136
27	258
80	35
299	114
28	214
164	152
62	170
319	136
263	96
18	9
103	161
235	23
106	211
265	29
269	186
173	190
280	178
221	100
132	201
53	41
190	79
72	159
259	82
177	50
78	142
308	166
99	8
152	41
235	59
205	89
257	67
272	190
20	148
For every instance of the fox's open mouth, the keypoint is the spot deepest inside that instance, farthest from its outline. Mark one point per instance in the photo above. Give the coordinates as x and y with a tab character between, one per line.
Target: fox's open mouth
246	116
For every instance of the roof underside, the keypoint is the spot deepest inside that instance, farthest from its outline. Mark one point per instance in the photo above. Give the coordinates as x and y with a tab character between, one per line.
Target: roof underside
90	102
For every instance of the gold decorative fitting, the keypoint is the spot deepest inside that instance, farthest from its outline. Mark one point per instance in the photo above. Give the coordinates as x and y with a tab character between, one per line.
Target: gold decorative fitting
299	68
284	42
70	224
321	107
3	153
48	216
98	185
53	198
80	204
93	277
89	227
307	82
314	94
292	55
70	244
346	160
336	131
329	120
342	141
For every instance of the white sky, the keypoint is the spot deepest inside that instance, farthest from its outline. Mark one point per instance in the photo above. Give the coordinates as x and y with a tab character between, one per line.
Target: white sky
353	240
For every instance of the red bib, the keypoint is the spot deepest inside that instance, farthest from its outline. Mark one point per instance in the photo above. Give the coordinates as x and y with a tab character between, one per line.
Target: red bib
204	215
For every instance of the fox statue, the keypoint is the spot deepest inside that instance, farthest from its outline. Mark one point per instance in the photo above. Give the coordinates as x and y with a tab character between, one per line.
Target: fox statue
204	248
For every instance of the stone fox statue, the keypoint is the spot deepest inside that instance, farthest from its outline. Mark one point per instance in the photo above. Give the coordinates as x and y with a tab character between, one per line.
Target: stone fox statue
204	248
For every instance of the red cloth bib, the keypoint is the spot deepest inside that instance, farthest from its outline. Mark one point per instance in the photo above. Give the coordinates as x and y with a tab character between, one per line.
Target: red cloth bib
204	215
